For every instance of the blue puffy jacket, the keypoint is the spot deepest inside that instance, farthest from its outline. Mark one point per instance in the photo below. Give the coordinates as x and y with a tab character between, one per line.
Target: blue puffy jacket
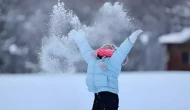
98	79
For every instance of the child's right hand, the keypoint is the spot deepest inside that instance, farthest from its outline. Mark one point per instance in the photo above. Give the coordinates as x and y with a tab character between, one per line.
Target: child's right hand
77	35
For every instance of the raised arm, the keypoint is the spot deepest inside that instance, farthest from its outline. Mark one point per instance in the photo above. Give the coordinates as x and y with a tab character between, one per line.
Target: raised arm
120	54
82	43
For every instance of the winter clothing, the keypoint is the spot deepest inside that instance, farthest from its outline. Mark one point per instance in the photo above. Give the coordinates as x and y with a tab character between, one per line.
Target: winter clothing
125	60
106	78
105	52
101	52
111	45
105	101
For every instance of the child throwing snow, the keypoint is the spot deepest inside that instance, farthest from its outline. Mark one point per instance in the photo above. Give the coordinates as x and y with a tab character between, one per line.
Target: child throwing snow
104	67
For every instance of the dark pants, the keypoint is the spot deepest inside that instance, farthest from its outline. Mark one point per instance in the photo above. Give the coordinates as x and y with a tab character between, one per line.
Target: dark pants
106	101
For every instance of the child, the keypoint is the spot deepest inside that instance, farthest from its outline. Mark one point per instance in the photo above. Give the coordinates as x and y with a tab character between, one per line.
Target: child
104	66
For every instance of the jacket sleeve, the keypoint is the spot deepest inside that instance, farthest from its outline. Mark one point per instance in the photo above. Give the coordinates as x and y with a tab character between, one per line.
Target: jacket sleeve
120	54
83	45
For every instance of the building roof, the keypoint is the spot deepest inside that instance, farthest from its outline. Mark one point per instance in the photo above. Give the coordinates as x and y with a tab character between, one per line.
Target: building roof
176	37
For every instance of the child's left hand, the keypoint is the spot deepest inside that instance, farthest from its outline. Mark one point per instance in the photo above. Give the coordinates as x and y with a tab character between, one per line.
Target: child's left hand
134	35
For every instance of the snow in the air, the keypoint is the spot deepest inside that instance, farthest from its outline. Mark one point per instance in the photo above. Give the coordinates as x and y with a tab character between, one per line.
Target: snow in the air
144	38
59	52
176	37
138	91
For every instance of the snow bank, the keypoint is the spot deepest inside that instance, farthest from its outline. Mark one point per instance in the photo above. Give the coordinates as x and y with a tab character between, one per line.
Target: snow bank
176	37
138	91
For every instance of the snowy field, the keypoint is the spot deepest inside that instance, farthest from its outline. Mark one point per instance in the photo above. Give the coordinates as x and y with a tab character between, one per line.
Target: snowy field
138	91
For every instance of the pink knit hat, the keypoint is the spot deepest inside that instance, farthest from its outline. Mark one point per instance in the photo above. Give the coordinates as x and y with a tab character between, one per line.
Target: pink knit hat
103	52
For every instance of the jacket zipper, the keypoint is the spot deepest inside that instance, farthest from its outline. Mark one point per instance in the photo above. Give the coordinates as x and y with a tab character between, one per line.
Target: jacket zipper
93	74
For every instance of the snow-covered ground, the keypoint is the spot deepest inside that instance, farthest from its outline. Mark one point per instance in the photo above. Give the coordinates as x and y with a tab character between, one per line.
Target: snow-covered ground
138	91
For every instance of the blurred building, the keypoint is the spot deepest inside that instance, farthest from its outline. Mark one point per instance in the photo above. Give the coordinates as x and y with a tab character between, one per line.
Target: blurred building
178	48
